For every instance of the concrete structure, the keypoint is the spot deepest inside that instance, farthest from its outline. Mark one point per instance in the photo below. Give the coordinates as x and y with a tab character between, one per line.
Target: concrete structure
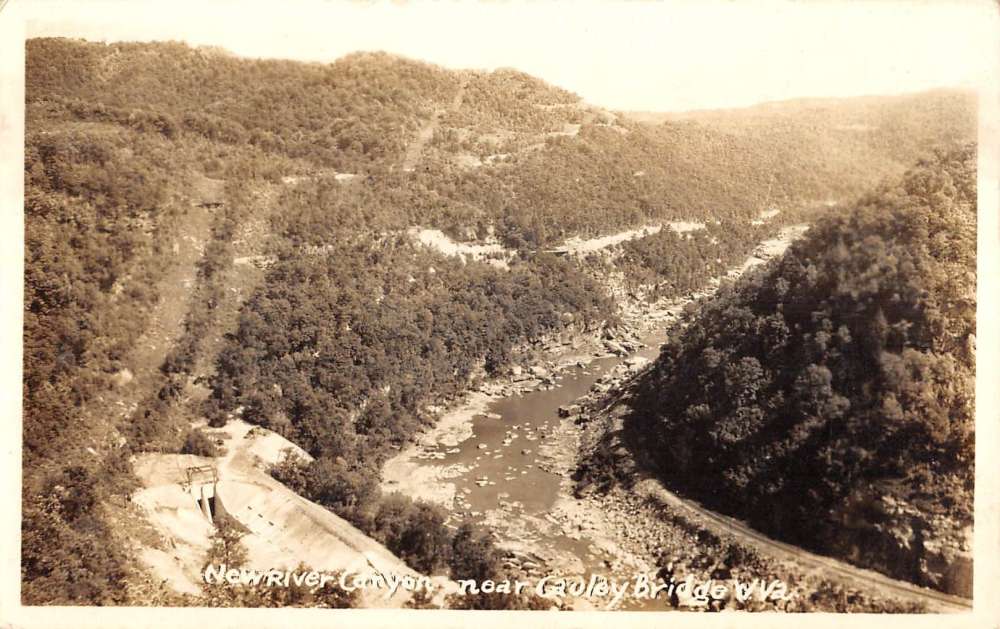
184	495
201	482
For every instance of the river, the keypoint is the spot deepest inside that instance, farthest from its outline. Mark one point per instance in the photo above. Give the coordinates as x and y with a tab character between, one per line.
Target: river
509	469
509	476
515	431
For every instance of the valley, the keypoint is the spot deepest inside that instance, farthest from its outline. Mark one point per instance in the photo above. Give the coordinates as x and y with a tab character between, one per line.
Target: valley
463	325
506	455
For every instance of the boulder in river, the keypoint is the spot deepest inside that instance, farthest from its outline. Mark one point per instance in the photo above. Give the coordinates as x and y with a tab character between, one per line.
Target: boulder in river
615	348
539	372
569	410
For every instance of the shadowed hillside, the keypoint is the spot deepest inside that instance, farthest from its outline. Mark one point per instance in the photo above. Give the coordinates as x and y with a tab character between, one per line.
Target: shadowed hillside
829	398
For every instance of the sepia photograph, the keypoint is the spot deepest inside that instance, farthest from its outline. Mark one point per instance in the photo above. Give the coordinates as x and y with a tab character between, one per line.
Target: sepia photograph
540	307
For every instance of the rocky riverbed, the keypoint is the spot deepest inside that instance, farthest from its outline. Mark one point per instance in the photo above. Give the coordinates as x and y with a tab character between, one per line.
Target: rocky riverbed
508	455
542	366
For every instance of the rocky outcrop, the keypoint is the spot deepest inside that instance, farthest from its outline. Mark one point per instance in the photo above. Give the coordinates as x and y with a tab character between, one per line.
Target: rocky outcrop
888	534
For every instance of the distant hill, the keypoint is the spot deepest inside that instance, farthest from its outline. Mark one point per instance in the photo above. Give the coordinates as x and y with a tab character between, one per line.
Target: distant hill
506	148
724	166
901	127
829	398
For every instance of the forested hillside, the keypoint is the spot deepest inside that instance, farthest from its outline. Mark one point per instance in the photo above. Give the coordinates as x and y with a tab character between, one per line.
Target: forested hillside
348	328
829	398
529	158
344	362
348	115
612	172
885	125
101	203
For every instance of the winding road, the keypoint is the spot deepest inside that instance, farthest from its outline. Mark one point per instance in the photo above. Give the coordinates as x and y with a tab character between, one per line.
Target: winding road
838	570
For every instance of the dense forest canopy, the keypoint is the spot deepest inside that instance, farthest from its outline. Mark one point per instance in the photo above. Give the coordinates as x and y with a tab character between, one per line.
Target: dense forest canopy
329	355
844	372
550	165
345	115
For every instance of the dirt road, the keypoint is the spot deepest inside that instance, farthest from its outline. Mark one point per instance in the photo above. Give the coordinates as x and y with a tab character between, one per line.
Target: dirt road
837	570
416	147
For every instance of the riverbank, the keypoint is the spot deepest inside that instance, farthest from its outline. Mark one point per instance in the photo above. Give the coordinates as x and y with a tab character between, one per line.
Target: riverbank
525	494
613	485
542	368
541	365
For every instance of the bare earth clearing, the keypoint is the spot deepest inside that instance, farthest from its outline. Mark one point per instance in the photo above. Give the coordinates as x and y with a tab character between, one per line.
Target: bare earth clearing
284	529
